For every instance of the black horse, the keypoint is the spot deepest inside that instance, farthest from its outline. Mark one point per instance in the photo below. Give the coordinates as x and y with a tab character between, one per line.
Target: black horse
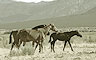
65	36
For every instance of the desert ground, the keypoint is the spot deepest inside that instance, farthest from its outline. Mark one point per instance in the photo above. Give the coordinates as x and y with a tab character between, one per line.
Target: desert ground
84	48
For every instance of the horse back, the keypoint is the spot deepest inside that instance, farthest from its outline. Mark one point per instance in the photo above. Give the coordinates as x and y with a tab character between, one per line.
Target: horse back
60	36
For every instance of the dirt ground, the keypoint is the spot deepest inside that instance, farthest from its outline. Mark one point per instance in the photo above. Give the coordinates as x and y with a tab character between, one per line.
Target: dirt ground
81	52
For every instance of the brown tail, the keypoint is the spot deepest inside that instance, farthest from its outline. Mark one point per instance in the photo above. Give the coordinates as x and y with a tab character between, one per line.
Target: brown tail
10	40
50	39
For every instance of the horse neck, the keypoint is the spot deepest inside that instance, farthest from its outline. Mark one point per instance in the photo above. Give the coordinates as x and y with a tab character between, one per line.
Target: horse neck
47	29
72	34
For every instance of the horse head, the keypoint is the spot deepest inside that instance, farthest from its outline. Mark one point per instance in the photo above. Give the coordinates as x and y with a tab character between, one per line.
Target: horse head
77	33
53	27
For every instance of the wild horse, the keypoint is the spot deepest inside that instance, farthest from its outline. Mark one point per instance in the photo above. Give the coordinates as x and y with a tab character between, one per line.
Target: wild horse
65	36
33	33
15	36
23	35
46	30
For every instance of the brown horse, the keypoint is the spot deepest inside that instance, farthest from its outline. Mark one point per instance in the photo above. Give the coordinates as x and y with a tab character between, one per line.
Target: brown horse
46	30
16	38
38	35
22	36
66	36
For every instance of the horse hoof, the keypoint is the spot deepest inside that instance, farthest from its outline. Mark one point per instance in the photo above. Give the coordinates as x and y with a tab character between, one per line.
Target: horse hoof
54	51
63	49
39	51
72	50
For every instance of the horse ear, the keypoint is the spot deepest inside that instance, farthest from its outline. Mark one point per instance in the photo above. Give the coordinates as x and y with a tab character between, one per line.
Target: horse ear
76	30
45	25
50	24
20	31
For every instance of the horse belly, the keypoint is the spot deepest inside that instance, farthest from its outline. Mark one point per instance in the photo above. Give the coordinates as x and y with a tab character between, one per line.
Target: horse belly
62	38
28	40
34	34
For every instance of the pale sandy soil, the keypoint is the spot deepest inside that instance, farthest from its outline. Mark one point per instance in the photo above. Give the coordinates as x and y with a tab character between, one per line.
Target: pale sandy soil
84	49
81	52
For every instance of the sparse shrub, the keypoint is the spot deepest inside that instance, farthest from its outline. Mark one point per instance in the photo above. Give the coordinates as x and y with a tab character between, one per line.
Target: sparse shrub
7	32
90	40
26	50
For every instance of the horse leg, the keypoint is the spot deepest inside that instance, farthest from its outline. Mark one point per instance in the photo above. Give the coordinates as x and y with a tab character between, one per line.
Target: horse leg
42	44
20	44
64	45
33	43
70	45
12	45
39	48
38	43
36	46
53	46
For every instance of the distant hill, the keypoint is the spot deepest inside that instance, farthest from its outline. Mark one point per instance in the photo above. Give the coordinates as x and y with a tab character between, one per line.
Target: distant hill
11	11
87	19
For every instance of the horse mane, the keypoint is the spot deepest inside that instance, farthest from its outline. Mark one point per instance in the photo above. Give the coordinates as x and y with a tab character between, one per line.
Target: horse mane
49	25
39	26
71	31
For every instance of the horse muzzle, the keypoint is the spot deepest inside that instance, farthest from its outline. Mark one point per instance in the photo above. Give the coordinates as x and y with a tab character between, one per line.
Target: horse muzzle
79	35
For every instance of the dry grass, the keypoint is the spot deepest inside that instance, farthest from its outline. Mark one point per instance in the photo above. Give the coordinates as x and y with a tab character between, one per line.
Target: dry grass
84	49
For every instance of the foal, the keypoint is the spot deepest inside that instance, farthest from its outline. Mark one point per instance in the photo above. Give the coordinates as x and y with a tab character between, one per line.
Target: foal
66	36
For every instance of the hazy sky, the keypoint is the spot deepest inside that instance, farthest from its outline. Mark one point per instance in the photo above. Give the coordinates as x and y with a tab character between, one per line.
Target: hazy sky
35	1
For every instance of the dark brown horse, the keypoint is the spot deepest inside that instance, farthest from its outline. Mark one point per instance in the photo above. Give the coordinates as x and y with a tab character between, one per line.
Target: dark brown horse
66	36
16	38
22	36
25	36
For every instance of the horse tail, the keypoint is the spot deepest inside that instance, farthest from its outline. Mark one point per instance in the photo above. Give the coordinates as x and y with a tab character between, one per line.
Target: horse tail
50	39
10	40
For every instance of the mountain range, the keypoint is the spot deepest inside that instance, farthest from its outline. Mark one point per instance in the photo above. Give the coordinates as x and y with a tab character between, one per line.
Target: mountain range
62	13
